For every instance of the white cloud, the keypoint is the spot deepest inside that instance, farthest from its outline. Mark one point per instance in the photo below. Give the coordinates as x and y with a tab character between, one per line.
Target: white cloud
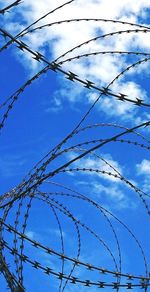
31	234
112	192
123	109
116	196
56	40
55	105
110	195
143	168
96	163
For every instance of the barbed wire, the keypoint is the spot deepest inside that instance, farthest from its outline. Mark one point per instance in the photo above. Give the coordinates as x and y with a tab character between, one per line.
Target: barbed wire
73	212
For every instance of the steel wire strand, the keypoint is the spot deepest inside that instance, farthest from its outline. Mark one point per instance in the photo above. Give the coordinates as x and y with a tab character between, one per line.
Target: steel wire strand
7	8
75	280
81	20
67	212
35	22
51	251
73	77
39	177
78	195
10	278
51	174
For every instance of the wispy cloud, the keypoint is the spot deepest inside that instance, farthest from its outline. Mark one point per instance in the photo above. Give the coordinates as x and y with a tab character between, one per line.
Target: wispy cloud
103	187
111	196
96	163
143	168
31	234
143	171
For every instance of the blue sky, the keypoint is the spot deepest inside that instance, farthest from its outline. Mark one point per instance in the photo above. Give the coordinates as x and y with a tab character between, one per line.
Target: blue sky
112	177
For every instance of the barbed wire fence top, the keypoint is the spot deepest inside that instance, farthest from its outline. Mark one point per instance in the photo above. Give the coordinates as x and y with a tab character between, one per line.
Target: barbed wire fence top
74	130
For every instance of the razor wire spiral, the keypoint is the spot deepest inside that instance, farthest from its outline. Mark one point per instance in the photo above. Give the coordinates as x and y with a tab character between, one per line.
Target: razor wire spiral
40	186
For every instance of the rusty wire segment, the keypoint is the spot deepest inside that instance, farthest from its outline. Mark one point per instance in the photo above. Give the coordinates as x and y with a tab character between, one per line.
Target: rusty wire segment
43	186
